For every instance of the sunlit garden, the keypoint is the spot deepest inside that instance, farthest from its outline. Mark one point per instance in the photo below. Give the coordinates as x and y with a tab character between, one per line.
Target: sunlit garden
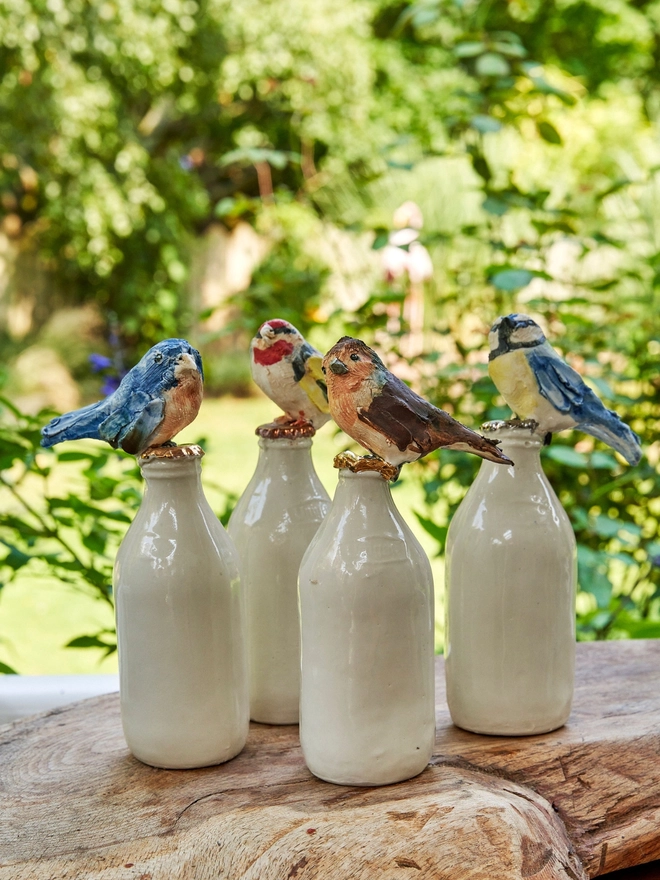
404	173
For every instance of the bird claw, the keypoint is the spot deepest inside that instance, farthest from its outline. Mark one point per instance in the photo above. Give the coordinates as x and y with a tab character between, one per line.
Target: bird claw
357	463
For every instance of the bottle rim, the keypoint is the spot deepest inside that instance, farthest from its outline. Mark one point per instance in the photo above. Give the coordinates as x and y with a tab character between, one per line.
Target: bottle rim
513	429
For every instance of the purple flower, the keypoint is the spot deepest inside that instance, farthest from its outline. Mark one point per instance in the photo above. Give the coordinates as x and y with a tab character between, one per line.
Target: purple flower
110	385
99	362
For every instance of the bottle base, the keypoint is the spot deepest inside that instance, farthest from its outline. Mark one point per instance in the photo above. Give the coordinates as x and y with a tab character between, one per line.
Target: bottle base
183	765
367	780
511	729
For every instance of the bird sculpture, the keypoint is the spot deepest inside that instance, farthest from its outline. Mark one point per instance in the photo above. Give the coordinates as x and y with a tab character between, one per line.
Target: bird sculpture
154	401
538	385
385	416
288	370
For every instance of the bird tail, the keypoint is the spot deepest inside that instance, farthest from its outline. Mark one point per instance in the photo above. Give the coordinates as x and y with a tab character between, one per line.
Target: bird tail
616	434
74	425
483	447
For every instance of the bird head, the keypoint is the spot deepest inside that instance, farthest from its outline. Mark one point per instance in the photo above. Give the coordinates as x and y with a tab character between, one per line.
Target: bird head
171	358
350	362
274	340
511	332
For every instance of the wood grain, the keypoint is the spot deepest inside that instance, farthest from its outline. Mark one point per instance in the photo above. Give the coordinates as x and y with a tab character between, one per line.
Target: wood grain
74	804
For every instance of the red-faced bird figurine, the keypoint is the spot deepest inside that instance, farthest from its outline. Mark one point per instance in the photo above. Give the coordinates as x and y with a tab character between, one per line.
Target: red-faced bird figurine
155	400
288	370
385	416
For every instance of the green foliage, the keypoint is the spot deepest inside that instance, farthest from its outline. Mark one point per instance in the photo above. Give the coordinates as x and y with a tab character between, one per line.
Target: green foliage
288	285
127	126
73	536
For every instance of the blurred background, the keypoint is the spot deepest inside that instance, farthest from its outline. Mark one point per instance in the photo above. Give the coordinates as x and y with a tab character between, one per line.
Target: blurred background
403	172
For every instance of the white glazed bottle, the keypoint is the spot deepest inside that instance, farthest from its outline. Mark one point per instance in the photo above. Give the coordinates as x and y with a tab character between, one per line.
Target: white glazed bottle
180	623
367	713
510	596
272	524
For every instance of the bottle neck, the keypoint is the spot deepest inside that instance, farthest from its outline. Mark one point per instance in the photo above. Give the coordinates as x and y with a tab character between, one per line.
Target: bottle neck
365	487
521	445
285	455
168	478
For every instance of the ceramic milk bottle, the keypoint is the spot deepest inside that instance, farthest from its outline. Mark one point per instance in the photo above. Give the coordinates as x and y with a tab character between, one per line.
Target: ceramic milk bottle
272	524
180	622
510	596
367	714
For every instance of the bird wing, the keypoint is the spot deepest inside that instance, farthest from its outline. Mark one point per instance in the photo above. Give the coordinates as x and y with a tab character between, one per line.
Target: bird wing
408	420
307	364
133	421
558	383
566	390
414	424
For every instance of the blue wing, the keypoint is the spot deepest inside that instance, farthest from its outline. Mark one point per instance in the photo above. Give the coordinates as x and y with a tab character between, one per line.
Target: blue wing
133	422
566	391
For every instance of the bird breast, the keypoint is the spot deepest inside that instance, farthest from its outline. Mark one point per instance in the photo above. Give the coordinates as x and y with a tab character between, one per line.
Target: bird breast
182	403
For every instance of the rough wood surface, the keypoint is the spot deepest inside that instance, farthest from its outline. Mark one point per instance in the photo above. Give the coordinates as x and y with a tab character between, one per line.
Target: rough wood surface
74	804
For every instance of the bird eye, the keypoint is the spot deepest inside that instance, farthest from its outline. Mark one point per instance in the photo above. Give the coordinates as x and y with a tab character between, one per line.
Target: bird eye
158	357
355	356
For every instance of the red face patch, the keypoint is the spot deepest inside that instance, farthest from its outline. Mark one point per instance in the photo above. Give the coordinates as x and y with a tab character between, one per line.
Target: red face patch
274	353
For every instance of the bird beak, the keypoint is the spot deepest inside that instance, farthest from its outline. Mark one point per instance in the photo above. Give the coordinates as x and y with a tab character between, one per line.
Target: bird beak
186	362
338	367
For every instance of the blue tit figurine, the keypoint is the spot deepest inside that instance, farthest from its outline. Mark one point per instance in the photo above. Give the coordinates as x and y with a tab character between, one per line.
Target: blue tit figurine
155	400
537	384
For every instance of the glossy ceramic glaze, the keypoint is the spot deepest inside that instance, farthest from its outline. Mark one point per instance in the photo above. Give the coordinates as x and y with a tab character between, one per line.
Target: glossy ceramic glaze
272	524
180	625
510	598
367	618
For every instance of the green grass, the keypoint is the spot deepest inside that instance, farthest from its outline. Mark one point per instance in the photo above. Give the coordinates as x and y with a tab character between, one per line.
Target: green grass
39	616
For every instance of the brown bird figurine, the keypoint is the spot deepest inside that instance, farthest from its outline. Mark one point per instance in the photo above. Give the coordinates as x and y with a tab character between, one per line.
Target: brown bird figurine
385	416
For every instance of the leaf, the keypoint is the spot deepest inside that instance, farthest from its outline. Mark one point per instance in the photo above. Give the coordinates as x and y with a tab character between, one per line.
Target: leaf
425	16
469	49
381	239
485	124
548	132
568	456
514	50
495	206
15	559
492	64
436	531
7	670
605	526
512	279
592	574
602	461
94	642
73	456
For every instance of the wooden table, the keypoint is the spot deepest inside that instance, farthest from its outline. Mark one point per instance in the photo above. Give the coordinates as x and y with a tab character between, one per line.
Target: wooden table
575	803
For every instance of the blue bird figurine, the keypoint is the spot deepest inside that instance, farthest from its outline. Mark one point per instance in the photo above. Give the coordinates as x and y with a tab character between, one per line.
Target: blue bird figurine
538	385
154	401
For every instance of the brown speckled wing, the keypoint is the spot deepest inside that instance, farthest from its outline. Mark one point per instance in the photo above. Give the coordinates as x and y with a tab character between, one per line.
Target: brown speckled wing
405	418
413	423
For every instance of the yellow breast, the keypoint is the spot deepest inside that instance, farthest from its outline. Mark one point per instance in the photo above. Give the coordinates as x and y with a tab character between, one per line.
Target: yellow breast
516	383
